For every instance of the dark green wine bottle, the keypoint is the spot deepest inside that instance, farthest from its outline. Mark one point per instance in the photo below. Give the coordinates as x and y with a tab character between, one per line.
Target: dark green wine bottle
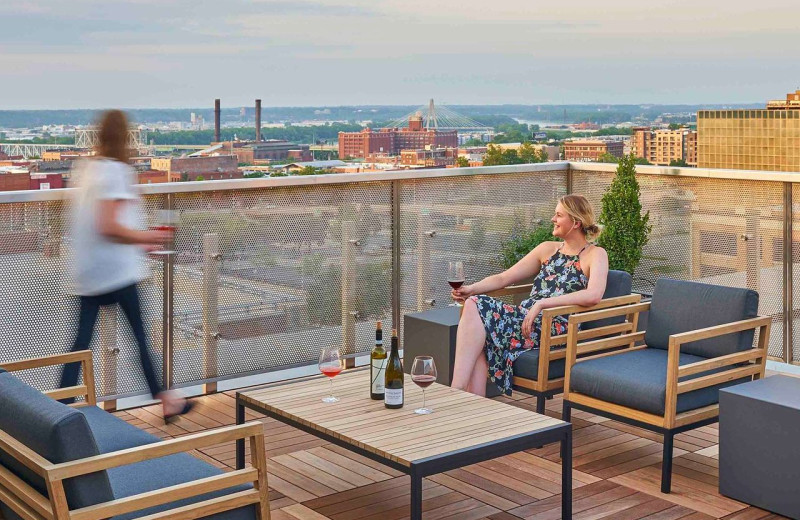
393	391
377	370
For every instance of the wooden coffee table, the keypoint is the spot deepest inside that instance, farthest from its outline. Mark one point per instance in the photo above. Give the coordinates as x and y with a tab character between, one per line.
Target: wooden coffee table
462	430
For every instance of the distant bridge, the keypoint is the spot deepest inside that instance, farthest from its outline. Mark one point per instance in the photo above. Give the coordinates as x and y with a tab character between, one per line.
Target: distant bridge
29	151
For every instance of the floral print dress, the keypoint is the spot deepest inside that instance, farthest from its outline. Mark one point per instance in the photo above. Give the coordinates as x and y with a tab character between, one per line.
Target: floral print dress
559	274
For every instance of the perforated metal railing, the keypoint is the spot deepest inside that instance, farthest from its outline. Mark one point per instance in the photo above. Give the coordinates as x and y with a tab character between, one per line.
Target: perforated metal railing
269	270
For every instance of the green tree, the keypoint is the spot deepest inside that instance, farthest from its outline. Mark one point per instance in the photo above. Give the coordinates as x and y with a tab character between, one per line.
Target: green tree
626	228
462	162
523	241
529	154
608	158
681	163
473	142
254	175
309	170
493	156
674	126
199	178
642	161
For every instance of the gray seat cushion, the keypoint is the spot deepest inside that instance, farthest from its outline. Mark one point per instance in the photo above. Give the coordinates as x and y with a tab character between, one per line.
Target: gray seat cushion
112	434
680	306
56	432
527	364
638	379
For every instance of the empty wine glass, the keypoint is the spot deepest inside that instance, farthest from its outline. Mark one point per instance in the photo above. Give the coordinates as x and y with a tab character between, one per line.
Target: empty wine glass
455	277
423	373
330	364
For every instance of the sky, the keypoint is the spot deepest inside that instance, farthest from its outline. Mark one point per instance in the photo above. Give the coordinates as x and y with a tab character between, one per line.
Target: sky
184	53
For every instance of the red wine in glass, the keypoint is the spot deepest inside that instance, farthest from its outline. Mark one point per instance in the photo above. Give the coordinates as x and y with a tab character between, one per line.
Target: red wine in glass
330	364
331	371
424	381
423	373
455	277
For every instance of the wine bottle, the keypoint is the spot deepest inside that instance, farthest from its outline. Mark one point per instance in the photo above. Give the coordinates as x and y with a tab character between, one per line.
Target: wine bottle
393	391
377	370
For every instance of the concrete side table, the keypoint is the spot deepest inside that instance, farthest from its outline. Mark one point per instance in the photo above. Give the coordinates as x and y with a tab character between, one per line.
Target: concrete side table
759	459
433	333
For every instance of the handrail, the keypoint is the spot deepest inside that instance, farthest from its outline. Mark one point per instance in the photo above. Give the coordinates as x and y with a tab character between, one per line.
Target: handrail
400	175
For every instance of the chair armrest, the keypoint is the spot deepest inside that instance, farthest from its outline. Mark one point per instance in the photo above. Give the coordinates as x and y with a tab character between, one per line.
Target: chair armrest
153	451
511	289
257	475
602	304
84	357
623	310
675	371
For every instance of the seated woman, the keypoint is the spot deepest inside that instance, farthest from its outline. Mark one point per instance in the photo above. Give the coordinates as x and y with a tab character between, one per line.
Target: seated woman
492	334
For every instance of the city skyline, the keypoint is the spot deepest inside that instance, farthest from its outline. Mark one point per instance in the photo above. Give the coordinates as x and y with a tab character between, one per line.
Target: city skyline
143	53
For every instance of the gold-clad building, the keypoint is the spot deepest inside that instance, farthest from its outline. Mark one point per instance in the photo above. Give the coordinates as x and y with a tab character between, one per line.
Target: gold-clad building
764	139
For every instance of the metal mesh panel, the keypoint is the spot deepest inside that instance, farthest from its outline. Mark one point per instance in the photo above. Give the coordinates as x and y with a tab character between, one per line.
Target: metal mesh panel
464	218
794	351
719	231
39	313
299	268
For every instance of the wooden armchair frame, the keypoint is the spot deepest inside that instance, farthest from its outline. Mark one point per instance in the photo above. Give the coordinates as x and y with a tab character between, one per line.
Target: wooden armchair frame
550	346
751	362
32	505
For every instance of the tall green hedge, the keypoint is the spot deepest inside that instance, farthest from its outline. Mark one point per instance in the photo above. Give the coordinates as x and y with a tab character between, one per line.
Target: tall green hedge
626	228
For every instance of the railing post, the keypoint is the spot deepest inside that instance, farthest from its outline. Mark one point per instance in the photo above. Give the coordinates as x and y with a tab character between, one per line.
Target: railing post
210	298
424	235
752	247
108	353
349	244
396	267
167	292
788	273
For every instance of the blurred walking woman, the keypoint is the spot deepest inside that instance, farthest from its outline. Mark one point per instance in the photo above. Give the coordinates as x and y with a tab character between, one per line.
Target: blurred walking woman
109	248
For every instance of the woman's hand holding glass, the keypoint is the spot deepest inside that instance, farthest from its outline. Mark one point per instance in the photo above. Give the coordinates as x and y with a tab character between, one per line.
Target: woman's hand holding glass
462	293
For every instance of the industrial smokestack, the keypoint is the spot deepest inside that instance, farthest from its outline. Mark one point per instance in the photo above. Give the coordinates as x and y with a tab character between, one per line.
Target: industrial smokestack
216	121
258	120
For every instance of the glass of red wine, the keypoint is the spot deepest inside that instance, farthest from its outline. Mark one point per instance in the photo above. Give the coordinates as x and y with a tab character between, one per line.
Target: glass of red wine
166	220
423	373
330	364
455	277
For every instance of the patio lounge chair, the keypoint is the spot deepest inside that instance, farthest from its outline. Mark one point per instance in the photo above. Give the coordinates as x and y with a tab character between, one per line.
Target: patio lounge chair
699	339
540	372
80	462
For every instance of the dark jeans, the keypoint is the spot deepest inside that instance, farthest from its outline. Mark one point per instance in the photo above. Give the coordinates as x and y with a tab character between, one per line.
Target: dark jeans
128	300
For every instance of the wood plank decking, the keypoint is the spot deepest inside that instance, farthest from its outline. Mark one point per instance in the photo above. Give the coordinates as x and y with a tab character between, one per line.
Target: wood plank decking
617	473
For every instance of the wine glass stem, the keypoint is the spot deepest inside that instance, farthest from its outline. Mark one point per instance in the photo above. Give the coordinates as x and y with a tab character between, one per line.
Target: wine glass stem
331	386
423	398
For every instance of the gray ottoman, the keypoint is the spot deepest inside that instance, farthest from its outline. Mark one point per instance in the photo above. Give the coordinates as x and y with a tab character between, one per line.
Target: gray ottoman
759	455
433	333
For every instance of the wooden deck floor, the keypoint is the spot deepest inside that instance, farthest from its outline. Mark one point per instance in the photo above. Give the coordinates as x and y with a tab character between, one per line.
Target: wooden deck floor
617	474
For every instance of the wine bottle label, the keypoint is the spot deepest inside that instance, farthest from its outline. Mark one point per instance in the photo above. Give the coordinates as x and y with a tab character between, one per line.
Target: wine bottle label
393	396
378	375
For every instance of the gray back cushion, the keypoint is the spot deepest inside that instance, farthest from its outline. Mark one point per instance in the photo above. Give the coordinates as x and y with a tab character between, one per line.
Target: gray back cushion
56	432
680	306
618	284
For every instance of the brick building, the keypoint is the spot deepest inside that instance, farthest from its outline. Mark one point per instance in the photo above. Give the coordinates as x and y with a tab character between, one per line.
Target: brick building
391	141
265	151
16	180
591	150
157	177
664	146
190	168
429	157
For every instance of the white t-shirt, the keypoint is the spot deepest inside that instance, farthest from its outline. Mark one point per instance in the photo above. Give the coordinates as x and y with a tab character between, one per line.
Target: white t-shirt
99	265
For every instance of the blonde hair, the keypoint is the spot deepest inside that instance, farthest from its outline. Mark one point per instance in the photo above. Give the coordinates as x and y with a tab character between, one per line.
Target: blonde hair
112	136
580	210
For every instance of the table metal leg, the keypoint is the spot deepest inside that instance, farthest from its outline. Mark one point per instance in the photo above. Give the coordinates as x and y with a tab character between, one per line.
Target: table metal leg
566	475
239	442
416	496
